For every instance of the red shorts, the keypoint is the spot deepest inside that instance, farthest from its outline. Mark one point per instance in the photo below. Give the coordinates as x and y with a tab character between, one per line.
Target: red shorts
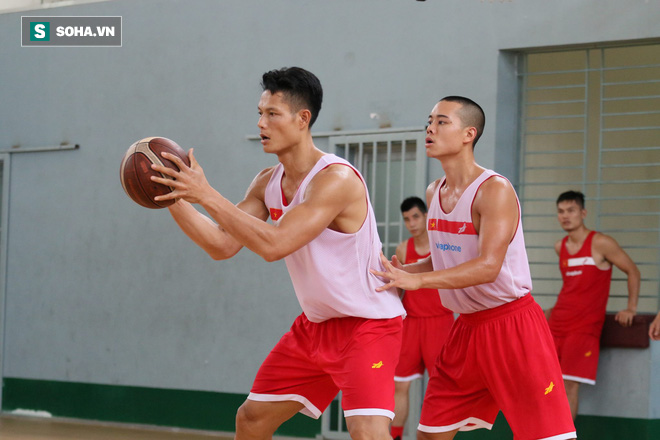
499	359
423	338
313	361
578	356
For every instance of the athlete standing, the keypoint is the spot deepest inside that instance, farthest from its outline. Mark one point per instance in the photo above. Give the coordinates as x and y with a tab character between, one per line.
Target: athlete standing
576	321
348	336
500	354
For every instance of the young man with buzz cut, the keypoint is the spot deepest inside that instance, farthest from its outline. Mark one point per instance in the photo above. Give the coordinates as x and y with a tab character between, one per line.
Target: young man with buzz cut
499	354
349	334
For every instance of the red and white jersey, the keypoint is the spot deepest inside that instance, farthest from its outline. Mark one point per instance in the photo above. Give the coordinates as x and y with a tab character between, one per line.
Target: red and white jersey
331	274
421	302
582	302
454	240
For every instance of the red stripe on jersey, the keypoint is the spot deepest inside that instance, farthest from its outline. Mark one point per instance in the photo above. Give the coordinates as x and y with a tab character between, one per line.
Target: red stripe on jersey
459	228
275	213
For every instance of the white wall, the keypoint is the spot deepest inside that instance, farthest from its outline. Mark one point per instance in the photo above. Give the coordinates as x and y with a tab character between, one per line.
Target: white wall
627	384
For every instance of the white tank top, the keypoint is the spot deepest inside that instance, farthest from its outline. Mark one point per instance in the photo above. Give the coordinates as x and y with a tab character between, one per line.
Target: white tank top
331	273
453	241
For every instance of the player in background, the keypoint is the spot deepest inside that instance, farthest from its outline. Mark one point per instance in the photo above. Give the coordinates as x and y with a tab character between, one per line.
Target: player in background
576	321
348	336
500	353
427	323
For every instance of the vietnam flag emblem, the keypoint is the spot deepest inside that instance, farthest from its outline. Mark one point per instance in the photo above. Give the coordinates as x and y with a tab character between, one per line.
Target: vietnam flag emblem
275	214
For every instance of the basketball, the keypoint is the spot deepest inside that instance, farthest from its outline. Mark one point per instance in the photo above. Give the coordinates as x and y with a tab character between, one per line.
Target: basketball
135	171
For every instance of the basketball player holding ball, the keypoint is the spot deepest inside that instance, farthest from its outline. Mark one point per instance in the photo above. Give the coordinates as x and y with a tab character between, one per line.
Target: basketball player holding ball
499	354
349	334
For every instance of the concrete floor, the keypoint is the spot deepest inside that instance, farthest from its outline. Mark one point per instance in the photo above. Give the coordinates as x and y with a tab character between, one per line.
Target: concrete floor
34	428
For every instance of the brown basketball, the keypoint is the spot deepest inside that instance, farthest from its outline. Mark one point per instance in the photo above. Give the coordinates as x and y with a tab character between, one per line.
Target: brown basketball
136	172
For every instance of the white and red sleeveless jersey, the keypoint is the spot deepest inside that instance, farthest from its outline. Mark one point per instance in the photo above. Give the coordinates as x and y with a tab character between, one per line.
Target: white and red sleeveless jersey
454	240
331	274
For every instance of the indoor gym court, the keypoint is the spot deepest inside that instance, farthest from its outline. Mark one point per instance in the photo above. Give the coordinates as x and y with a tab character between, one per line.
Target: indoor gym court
32	428
108	312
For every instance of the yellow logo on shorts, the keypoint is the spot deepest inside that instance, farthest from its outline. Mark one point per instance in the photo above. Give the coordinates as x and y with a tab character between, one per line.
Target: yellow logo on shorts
587	354
549	389
377	365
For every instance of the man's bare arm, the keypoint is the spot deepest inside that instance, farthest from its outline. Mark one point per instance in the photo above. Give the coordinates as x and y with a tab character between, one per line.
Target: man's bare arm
400	252
496	218
613	253
654	329
331	198
210	236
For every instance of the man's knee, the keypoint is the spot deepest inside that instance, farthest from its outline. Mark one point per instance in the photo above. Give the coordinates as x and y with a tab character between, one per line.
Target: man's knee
369	427
363	433
256	420
249	420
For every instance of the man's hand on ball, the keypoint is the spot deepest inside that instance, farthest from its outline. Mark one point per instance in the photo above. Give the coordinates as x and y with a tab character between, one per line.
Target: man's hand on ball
189	183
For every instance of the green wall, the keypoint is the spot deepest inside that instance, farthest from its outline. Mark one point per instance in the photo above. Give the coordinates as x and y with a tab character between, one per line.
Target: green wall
212	411
209	411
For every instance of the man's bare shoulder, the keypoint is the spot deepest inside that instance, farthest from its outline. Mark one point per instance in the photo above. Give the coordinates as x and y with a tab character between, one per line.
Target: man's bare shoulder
339	171
498	183
338	178
258	186
266	173
603	242
433	186
496	191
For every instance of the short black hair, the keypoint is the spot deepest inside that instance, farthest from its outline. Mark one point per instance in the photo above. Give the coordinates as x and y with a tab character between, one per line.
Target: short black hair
575	196
470	113
410	202
301	88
